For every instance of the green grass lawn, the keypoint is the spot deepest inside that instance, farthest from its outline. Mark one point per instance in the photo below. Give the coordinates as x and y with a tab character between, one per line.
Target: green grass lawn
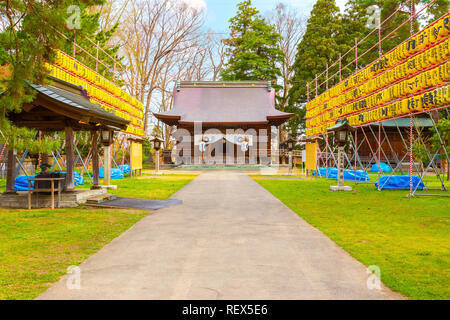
408	238
37	246
155	189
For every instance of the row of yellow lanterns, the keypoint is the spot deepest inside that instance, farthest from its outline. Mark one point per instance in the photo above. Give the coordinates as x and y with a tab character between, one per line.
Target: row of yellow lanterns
75	67
431	57
424	39
129	113
428	79
105	100
419	102
133	120
63	74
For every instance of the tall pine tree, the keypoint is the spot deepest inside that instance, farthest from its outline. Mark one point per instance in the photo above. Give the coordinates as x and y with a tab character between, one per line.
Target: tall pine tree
319	47
253	51
358	21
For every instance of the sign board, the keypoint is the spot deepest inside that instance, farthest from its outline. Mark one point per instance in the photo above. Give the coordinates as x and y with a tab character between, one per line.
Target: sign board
311	156
136	156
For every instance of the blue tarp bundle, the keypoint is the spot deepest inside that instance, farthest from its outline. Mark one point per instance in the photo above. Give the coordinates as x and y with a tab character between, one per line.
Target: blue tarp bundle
349	174
331	173
125	168
399	182
21	182
115	173
361	175
79	180
384	167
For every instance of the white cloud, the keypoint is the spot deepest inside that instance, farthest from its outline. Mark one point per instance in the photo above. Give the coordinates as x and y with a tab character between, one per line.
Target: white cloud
196	4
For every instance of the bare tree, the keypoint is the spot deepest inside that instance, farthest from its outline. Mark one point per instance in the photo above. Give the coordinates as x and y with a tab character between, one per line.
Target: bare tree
291	26
215	49
151	32
111	13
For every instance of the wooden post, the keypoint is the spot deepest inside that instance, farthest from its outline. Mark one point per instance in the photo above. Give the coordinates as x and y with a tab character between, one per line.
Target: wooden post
107	165
157	161
52	188
379	39
29	194
316	86
70	157
74	47
10	172
269	143
95	160
307	92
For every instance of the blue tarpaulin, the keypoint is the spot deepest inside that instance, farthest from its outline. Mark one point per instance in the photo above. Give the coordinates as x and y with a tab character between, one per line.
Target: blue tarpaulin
349	174
384	167
326	172
125	168
361	175
115	173
399	182
79	180
21	182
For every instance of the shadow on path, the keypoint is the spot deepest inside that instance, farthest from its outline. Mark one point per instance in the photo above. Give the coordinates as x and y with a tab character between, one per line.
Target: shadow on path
143	204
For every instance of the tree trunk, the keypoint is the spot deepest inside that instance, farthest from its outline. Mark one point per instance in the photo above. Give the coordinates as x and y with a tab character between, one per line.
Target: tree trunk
70	157
95	160
10	171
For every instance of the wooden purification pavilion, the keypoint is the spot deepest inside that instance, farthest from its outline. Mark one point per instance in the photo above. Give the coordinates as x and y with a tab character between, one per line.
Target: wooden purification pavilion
63	106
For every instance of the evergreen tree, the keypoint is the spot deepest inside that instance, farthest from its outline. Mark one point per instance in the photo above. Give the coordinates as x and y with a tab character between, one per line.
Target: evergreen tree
319	47
358	21
438	9
253	52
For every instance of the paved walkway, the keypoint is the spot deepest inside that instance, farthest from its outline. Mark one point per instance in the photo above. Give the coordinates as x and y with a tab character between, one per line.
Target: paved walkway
230	239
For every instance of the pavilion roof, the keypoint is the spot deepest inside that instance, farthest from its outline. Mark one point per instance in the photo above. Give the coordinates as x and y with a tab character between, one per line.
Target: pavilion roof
54	107
224	104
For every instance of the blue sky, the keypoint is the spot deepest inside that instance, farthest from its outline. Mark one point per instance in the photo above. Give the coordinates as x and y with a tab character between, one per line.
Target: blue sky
220	11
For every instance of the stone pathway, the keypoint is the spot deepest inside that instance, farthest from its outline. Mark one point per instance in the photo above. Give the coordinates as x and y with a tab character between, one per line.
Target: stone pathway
229	239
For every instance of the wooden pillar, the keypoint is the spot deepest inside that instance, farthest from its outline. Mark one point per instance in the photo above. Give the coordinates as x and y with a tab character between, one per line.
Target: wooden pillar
95	160
45	158
10	171
269	143
107	165
70	157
